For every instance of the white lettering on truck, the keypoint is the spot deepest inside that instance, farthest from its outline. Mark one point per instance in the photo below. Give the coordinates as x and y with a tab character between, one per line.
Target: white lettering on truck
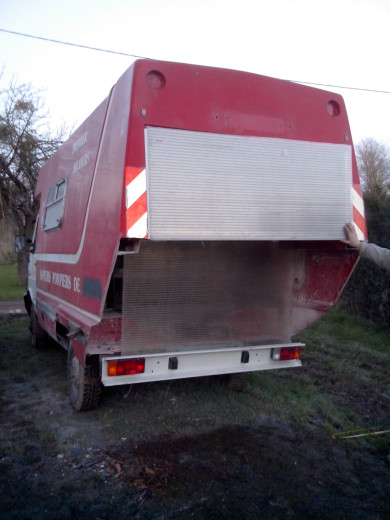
45	276
80	142
76	284
62	280
80	163
66	281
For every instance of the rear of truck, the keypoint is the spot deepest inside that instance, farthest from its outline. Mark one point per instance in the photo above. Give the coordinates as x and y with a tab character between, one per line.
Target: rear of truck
237	189
208	232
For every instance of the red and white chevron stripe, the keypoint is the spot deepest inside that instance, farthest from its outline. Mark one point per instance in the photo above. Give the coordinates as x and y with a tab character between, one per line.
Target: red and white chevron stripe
136	203
137	214
358	212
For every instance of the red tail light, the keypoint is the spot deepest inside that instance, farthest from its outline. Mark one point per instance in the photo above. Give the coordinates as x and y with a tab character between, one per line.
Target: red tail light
125	367
286	353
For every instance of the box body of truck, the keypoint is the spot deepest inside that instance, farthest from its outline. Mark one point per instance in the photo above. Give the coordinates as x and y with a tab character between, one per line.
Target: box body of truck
191	226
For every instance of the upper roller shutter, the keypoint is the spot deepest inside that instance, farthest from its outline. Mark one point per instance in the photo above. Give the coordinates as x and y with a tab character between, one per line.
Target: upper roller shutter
204	186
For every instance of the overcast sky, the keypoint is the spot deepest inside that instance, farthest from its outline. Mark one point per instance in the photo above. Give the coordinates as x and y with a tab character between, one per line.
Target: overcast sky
333	42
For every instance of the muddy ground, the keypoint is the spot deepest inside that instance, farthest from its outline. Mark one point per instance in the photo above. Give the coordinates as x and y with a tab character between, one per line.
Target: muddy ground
59	464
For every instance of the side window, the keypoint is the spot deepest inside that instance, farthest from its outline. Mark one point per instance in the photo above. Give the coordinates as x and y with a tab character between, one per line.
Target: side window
55	206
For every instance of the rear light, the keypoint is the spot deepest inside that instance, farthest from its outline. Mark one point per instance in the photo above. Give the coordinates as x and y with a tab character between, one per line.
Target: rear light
286	353
125	367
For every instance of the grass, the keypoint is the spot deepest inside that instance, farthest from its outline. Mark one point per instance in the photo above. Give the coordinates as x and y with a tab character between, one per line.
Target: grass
26	362
9	286
347	364
343	385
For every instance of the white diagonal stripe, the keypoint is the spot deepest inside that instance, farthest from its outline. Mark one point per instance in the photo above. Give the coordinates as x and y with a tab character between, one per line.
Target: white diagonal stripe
139	229
359	232
357	201
135	189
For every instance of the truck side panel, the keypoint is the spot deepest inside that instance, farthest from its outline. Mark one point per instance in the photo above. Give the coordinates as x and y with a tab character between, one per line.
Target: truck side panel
75	162
76	269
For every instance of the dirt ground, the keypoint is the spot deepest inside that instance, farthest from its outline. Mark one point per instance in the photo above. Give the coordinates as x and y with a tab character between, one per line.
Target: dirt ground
59	464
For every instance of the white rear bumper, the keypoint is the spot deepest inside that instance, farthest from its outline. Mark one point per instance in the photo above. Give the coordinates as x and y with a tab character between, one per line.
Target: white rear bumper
158	367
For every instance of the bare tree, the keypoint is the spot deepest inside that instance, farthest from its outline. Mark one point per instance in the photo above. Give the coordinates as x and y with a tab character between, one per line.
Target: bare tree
26	143
374	167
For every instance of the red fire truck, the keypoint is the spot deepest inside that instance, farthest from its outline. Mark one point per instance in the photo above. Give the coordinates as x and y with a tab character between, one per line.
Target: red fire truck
191	226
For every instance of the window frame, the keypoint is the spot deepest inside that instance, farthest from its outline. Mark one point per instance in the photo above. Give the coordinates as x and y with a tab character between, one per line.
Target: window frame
54	206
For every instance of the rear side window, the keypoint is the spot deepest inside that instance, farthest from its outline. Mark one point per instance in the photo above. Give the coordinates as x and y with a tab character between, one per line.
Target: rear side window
55	206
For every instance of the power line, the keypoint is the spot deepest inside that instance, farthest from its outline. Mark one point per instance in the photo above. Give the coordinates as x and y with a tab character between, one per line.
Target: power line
72	44
146	58
339	86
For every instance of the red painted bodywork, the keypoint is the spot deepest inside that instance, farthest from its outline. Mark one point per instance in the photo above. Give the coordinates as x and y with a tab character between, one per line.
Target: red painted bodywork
175	96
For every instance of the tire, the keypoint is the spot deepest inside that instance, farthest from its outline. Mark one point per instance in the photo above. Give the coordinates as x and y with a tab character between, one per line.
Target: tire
85	387
38	335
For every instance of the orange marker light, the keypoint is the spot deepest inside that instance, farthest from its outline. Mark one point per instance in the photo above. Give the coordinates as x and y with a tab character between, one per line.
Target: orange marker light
286	353
125	367
111	368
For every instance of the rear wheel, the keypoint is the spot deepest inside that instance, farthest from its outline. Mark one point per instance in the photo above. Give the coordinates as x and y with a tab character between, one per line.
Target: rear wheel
85	387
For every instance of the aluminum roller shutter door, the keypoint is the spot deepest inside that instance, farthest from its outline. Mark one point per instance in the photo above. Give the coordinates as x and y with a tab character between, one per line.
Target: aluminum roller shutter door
204	186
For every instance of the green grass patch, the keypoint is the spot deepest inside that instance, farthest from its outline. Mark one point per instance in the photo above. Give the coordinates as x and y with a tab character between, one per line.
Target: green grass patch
343	385
349	331
183	407
9	286
345	379
14	333
24	362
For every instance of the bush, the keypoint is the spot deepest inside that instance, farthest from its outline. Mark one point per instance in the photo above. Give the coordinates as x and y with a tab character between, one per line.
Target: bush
367	293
